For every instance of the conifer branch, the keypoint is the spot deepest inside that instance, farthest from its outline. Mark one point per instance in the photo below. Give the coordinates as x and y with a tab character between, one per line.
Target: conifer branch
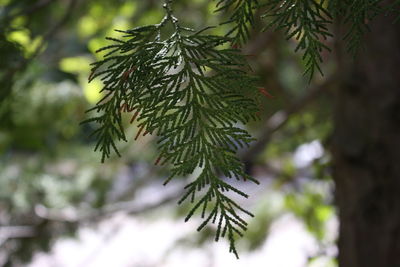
192	93
242	18
358	15
306	21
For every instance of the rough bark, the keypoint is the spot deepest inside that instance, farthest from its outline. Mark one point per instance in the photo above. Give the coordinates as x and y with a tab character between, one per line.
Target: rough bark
366	152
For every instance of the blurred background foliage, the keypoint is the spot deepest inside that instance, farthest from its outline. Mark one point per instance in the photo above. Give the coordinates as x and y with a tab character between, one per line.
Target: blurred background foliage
51	181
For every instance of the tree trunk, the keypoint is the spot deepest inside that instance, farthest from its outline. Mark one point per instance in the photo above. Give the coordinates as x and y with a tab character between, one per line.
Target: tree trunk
366	152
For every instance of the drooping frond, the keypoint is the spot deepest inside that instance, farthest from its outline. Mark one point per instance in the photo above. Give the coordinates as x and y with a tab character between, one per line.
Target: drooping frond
307	22
116	71
337	8
195	95
241	18
358	15
395	7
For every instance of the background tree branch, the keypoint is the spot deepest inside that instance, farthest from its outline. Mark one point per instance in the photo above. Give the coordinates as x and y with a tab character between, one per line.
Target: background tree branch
281	117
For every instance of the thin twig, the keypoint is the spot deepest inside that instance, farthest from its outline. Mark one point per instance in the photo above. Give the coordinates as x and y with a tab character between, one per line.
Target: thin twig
281	117
75	215
14	231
